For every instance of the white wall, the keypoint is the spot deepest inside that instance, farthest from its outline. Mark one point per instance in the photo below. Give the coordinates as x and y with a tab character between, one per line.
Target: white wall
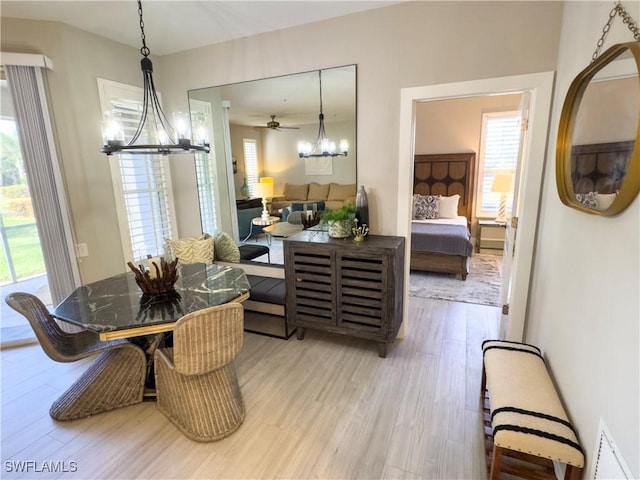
584	311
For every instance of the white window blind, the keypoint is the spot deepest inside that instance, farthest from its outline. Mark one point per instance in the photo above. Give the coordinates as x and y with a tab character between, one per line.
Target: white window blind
142	183
499	143
251	160
206	178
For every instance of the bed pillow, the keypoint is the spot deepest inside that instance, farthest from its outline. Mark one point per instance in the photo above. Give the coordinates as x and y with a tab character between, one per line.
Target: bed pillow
605	200
589	200
425	206
191	250
449	206
226	249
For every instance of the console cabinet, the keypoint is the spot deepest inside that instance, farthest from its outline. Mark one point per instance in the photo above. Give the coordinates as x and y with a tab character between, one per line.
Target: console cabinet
346	287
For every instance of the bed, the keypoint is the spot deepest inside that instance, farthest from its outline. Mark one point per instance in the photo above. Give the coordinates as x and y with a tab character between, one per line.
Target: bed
598	171
443	244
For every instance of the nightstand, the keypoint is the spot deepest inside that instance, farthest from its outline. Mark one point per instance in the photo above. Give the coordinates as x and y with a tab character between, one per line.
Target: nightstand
490	235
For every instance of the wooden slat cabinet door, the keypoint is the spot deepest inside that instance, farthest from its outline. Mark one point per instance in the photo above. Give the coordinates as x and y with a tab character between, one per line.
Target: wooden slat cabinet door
310	285
361	281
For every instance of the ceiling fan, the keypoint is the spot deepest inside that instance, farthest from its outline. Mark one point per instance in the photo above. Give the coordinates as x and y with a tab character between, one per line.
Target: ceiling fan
273	124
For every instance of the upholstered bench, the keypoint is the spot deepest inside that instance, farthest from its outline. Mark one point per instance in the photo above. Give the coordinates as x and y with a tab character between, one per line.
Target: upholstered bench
249	252
265	307
527	415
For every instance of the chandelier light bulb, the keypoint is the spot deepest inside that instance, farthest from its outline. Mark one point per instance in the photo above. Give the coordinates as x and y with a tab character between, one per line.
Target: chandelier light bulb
112	130
181	125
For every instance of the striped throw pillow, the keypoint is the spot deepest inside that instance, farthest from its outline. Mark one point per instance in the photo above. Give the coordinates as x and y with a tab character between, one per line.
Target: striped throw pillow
192	250
226	249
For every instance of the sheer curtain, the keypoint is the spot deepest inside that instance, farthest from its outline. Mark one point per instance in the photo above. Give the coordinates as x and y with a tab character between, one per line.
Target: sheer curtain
26	84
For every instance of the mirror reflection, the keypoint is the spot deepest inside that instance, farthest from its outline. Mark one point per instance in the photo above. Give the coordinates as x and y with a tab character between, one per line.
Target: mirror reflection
597	158
254	129
604	139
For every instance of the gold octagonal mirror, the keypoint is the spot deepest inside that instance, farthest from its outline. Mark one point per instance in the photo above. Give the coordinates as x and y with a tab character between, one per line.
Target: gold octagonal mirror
597	156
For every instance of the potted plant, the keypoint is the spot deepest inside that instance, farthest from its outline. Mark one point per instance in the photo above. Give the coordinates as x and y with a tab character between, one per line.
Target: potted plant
339	221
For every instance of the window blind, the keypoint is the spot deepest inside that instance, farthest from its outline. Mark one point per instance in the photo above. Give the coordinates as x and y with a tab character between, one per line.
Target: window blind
144	185
251	160
500	140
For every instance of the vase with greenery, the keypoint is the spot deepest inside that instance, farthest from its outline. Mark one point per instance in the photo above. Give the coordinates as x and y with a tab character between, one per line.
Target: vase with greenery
339	221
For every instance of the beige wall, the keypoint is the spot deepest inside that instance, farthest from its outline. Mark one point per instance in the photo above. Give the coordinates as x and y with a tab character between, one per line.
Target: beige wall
584	311
454	126
410	44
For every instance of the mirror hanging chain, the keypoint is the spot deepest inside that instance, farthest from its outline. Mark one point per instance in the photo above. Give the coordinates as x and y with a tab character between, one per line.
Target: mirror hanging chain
618	9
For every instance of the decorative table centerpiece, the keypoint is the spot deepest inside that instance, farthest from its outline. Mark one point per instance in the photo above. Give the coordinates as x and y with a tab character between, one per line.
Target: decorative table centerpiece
159	278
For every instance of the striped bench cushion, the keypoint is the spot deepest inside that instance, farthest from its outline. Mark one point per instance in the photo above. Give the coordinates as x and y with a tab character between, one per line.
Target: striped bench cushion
526	412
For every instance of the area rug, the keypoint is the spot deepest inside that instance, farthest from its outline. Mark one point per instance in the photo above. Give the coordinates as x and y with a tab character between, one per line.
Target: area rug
482	285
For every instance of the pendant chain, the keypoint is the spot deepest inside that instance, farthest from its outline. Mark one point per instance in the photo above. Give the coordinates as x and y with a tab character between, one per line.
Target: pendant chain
144	50
618	9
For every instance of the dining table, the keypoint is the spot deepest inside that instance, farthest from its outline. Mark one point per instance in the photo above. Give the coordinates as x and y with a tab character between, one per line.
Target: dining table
116	307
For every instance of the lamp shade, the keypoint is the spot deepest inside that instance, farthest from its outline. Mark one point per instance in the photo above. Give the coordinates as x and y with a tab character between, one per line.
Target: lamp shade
501	183
266	180
264	190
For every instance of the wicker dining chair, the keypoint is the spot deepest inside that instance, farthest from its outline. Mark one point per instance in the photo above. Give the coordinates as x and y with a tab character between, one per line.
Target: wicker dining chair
196	384
115	379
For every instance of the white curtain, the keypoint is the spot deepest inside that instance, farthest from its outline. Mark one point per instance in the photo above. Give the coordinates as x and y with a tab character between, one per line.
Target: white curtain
27	90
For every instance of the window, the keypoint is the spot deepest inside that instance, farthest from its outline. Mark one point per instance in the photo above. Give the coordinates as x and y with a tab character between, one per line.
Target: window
250	160
206	178
142	184
499	144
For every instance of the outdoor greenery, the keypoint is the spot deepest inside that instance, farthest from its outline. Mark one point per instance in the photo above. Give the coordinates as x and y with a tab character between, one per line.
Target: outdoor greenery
18	221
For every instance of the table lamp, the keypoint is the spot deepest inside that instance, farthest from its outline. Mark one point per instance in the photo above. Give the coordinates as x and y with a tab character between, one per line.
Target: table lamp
502	185
264	190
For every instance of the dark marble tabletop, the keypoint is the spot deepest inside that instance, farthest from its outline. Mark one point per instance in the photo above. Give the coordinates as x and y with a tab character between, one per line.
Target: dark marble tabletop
117	303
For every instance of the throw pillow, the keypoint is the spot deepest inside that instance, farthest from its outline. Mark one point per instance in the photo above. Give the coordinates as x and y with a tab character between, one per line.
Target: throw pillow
191	250
449	206
226	249
426	206
589	200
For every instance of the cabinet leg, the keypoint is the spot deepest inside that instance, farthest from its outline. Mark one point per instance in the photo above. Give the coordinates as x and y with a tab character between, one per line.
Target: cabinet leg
382	349
300	333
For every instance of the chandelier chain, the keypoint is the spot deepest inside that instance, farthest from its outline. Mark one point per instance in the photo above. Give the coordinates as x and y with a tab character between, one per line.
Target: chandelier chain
144	50
618	9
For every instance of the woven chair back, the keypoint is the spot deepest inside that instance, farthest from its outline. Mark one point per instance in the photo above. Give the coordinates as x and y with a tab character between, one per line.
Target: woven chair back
56	343
208	339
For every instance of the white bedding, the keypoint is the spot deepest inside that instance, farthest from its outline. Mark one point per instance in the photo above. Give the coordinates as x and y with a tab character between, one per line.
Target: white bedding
460	220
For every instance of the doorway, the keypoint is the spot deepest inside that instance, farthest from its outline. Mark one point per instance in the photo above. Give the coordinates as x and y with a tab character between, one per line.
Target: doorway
540	87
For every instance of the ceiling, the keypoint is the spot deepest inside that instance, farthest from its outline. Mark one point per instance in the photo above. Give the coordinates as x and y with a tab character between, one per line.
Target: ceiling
175	25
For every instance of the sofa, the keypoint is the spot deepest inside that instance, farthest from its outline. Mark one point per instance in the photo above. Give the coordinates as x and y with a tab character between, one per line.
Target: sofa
334	195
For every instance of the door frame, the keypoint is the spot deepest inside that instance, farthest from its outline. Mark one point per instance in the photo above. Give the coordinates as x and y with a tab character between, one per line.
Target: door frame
540	85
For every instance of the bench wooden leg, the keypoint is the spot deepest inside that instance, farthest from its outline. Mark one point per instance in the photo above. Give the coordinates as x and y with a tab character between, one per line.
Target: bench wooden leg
572	473
496	463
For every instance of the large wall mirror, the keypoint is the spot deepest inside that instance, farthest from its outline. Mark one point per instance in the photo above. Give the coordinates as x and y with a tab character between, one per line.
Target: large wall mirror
598	153
270	115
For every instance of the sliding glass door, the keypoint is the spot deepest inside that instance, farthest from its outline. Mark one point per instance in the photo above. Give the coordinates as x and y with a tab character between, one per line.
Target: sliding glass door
22	266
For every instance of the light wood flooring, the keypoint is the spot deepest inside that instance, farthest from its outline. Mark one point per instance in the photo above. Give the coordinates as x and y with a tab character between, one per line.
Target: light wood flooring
326	407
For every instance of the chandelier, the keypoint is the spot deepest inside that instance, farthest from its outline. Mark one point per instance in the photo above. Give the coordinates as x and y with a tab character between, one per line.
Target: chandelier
154	131
323	147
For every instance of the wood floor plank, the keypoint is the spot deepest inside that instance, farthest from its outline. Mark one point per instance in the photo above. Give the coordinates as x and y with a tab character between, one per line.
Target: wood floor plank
325	407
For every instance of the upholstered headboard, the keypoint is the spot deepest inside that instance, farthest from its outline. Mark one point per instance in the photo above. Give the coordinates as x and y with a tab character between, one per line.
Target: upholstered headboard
446	174
600	167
